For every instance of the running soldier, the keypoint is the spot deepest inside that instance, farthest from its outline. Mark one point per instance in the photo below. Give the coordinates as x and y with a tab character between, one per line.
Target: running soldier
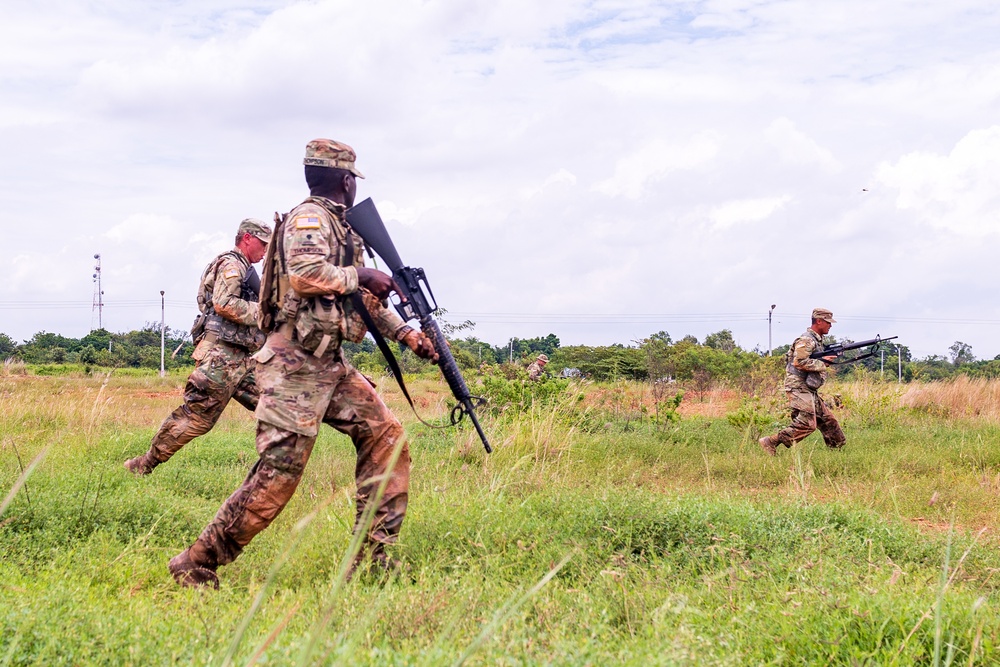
310	277
225	334
803	378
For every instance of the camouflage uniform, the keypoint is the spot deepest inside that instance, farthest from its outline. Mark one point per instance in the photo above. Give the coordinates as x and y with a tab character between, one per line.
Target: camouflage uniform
536	368
305	379
809	412
227	335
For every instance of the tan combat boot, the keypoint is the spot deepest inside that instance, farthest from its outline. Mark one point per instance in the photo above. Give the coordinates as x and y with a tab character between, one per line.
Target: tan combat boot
768	446
191	575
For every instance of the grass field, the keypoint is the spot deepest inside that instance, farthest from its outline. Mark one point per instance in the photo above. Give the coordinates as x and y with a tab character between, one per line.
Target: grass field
593	535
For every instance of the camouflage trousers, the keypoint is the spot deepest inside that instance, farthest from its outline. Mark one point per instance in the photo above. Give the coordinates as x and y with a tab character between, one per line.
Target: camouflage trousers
224	373
810	413
299	391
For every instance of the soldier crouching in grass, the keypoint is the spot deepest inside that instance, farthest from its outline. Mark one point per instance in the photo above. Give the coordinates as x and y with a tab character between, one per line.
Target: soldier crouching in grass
310	275
225	335
803	378
537	367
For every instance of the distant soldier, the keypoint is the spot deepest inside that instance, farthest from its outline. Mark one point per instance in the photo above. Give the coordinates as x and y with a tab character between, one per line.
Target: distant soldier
310	279
536	367
803	378
225	334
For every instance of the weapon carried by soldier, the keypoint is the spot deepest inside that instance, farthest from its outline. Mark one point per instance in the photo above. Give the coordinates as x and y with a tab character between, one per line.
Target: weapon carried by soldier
415	304
838	350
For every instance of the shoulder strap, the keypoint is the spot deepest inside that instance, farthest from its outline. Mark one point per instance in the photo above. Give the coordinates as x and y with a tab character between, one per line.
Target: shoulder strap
268	302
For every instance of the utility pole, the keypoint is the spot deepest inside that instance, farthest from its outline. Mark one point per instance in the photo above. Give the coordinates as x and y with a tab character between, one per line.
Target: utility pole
98	294
511	359
881	368
162	333
899	360
769	345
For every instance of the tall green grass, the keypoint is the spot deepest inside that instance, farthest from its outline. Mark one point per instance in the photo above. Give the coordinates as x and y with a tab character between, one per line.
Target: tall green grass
588	537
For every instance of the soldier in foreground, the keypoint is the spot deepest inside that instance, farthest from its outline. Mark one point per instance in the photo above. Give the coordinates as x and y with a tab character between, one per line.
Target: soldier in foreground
536	367
803	378
225	334
315	264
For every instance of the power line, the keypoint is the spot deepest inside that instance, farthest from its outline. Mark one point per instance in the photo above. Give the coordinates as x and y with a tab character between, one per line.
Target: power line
539	318
66	305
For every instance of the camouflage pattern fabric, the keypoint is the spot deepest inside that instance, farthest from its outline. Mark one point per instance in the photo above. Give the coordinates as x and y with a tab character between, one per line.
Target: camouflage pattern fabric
810	413
225	372
799	362
299	391
221	289
322	255
304	380
534	371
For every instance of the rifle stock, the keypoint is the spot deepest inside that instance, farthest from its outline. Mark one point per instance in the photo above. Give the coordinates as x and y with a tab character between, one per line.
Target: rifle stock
416	303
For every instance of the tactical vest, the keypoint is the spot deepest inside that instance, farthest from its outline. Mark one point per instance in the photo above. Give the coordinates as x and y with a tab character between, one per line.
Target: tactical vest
210	323
319	323
813	379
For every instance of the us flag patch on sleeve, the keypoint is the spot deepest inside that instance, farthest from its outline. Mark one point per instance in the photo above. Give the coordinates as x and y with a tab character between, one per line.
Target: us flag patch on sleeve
307	222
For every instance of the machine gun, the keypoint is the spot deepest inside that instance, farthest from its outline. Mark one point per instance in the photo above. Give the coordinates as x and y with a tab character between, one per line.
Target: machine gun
838	350
415	304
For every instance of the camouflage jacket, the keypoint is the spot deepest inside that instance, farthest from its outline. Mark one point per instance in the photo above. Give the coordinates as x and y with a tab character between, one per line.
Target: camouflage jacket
534	371
798	365
221	289
318	260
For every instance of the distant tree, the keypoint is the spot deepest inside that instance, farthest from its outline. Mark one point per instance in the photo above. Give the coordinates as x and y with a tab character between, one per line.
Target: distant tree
662	336
721	340
693	340
7	346
961	353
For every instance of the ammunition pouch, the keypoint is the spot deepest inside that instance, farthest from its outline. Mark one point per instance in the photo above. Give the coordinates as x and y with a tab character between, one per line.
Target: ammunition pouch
198	328
815	380
318	326
241	335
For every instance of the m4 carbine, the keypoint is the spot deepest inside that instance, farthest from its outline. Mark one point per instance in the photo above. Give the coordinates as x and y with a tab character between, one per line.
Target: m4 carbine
838	350
414	304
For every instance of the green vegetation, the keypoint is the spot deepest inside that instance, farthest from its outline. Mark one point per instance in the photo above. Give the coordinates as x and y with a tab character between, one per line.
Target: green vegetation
101	348
598	532
658	357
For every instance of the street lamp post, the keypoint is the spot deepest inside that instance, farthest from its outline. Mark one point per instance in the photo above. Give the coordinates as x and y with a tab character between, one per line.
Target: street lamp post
162	333
769	345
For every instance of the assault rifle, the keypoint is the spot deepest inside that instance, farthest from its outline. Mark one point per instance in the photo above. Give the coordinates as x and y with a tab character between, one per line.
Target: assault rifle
838	349
415	304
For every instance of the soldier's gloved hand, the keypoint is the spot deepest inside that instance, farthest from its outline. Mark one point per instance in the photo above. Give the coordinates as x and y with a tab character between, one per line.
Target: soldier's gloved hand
420	344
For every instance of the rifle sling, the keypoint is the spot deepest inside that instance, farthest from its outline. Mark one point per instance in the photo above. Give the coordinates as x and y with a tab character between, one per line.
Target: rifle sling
383	346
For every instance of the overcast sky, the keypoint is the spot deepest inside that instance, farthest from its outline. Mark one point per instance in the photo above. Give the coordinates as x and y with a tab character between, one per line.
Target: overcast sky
600	170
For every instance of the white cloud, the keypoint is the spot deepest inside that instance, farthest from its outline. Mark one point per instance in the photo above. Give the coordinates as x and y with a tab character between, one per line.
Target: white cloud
567	156
733	213
957	191
656	159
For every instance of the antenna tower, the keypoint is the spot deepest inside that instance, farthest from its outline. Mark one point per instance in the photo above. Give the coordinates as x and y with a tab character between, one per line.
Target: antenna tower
98	294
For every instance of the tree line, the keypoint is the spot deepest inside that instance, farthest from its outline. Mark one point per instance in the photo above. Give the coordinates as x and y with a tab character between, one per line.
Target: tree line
656	358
